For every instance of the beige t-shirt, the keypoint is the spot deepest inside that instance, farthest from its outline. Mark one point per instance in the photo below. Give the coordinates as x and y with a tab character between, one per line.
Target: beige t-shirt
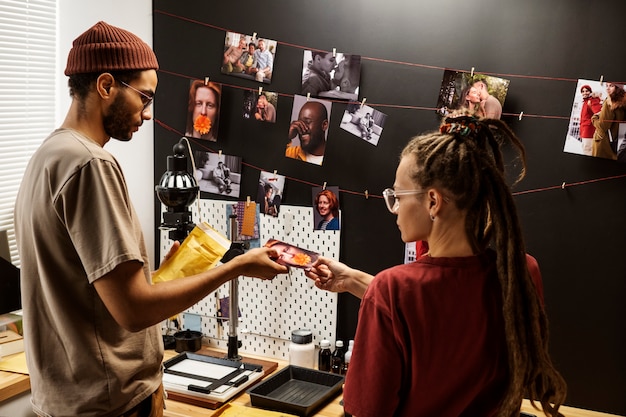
74	223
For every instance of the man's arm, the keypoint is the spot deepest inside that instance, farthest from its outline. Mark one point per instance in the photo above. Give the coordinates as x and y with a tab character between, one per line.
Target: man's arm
135	304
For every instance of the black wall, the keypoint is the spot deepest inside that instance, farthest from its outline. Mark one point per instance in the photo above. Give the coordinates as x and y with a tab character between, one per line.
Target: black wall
577	233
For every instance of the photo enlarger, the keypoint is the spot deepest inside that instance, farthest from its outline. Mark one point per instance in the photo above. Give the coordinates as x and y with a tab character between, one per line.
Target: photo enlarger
209	380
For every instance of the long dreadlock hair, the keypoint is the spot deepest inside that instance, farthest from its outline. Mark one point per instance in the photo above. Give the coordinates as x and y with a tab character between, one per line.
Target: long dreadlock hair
465	159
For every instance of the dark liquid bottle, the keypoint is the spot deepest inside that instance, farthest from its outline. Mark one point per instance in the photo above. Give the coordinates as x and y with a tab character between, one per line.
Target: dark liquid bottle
325	355
336	363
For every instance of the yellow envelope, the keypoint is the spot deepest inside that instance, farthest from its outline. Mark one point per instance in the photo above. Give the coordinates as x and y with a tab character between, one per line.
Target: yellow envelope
201	250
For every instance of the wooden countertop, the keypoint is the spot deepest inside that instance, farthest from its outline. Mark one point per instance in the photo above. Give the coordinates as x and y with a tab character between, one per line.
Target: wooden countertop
12	384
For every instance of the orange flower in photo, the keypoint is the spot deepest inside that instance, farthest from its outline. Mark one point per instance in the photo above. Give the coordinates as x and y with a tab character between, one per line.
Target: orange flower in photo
202	124
301	259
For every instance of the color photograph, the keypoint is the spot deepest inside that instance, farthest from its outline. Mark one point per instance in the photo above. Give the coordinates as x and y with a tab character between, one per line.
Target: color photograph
270	193
595	129
326	208
477	94
248	57
203	110
364	122
260	106
218	174
290	255
309	129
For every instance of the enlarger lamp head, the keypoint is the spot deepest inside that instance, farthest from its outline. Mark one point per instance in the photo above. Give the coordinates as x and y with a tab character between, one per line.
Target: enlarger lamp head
177	189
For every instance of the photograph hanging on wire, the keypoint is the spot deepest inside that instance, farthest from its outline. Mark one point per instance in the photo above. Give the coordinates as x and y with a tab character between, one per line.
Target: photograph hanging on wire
249	57
583	138
326	208
331	74
469	92
217	173
203	110
364	122
260	106
270	192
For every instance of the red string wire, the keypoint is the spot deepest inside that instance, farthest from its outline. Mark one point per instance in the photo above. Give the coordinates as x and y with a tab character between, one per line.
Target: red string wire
400	106
391	61
204	146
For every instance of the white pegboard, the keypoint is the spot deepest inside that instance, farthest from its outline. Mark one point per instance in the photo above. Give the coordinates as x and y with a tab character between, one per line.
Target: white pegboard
270	310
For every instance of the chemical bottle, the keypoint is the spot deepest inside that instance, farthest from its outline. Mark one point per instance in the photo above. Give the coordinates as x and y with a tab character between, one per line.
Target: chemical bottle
337	360
301	349
323	362
346	362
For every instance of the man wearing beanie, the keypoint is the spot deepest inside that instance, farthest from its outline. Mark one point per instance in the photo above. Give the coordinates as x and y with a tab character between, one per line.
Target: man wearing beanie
91	314
591	105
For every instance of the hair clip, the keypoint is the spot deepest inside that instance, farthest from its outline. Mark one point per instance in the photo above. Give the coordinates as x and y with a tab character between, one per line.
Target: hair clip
463	125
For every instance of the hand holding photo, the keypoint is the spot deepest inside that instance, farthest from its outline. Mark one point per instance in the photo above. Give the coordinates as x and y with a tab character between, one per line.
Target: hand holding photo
290	255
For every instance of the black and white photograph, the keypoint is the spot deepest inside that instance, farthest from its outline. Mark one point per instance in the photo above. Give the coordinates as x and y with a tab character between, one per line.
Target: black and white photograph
330	74
364	122
249	57
476	94
217	173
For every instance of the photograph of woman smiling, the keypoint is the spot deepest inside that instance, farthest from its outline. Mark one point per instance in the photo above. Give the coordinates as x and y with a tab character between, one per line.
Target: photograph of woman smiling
327	207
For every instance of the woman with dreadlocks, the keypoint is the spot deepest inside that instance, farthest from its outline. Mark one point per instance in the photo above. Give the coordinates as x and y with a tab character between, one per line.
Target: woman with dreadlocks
462	330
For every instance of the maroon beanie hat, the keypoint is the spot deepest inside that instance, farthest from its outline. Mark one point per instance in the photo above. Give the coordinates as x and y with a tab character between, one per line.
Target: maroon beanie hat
585	87
105	48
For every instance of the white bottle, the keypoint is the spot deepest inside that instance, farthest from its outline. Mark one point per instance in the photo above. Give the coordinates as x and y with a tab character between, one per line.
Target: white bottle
302	349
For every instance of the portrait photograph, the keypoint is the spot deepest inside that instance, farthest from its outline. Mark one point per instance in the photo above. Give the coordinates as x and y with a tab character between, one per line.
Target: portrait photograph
249	57
291	255
477	94
364	122
203	110
583	134
332	75
308	130
588	98
217	173
325	208
261	107
270	193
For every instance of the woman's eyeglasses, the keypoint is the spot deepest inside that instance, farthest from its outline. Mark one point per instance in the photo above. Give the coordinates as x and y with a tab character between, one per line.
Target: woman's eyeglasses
391	197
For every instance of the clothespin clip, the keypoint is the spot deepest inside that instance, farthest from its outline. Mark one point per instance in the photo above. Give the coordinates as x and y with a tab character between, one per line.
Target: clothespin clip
254	36
601	79
363	102
324	186
563	185
521	114
206	80
275	171
260	90
219	153
248	201
367	194
472	73
308	96
334	52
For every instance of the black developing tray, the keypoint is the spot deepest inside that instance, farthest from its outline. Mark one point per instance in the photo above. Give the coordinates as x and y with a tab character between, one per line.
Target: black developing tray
296	390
